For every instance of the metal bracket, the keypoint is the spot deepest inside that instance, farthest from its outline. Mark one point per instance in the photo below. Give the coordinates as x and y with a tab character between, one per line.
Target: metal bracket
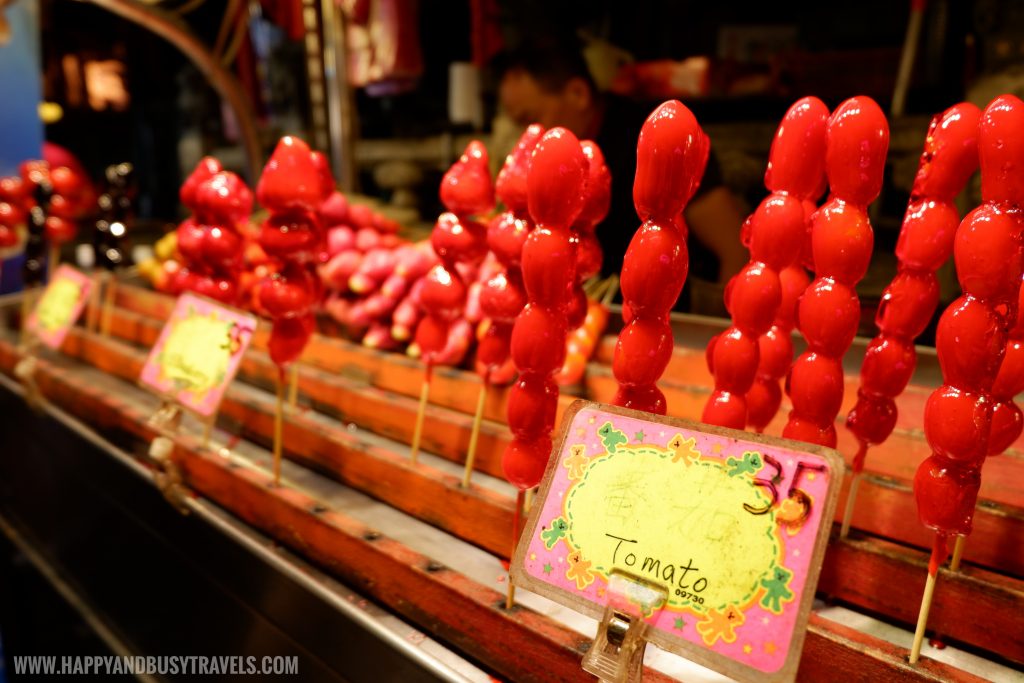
25	372
167	475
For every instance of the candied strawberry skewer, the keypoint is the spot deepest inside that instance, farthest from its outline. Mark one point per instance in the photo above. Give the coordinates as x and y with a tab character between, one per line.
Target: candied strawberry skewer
775	347
777	232
503	296
292	187
466	191
949	159
210	241
556	187
589	255
587	319
671	154
841	244
971	341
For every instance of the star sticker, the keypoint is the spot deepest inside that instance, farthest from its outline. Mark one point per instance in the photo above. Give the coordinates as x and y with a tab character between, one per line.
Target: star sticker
533	557
796	552
811	476
581	431
548	568
717	448
601	592
747	649
591	420
765	620
679	624
769	647
639	436
661	433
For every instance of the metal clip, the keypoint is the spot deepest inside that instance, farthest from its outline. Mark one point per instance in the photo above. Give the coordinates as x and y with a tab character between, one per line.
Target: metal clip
167	475
617	654
25	372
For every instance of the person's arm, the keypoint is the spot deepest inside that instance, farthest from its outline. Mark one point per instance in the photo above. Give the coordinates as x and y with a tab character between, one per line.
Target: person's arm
714	218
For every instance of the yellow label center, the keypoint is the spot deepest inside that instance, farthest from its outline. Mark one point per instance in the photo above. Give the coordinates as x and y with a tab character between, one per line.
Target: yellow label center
197	352
688	531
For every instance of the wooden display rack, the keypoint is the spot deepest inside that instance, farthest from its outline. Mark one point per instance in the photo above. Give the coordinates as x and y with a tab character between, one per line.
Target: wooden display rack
880	568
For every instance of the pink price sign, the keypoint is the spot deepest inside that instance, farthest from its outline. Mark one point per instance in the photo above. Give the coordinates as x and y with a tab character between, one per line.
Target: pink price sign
197	353
732	526
59	306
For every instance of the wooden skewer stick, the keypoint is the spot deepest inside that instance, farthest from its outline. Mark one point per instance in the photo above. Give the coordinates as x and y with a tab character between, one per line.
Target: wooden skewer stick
511	596
417	432
528	503
939	551
474	434
26	313
851	500
958	553
278	428
293	387
108	306
92	311
53	259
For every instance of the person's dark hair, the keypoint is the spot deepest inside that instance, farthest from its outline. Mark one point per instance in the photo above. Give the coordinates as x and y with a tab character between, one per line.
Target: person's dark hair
552	62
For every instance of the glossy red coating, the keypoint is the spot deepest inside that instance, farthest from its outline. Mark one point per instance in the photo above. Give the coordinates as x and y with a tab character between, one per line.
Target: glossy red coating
458	240
532	403
841	244
654	269
288	337
288	294
672	151
204	170
506	235
466	188
949	158
292	179
960	415
290	236
524	461
503	297
987	250
294	185
549	266
223	198
511	183
776	234
1000	141
443	294
598	197
858	141
644	350
556	186
538	340
557	180
671	154
796	162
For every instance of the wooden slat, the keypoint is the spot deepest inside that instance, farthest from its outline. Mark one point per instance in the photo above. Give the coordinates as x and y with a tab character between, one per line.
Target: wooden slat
483	518
885	504
475	514
519	644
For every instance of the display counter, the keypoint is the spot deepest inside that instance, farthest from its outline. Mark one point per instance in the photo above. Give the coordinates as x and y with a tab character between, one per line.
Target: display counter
366	565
